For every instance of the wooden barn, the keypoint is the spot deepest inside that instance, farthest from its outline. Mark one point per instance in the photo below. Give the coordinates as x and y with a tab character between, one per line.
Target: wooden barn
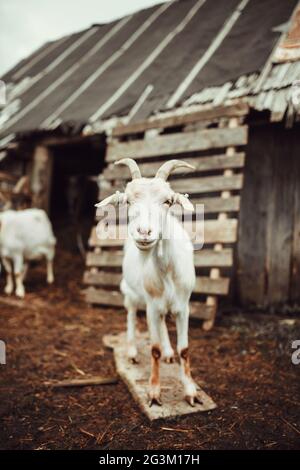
212	82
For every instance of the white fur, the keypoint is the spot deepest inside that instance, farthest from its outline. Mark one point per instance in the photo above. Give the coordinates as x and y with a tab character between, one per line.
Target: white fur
25	235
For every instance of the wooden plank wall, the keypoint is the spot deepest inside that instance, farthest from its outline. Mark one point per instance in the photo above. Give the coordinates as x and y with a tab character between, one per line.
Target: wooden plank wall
268	271
214	144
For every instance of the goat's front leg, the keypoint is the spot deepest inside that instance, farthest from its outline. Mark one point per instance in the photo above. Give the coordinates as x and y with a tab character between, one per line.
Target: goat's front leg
167	350
131	330
153	319
190	390
9	286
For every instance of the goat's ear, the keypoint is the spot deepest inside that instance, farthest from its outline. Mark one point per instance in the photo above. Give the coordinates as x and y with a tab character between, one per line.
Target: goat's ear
184	201
117	198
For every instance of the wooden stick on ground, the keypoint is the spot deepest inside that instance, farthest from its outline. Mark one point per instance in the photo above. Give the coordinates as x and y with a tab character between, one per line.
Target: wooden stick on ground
84	382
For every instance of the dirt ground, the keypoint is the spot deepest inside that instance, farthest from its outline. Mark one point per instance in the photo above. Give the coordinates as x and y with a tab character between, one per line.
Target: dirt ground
244	363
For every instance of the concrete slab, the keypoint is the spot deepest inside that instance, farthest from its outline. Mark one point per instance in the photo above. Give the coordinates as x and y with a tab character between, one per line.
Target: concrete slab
136	377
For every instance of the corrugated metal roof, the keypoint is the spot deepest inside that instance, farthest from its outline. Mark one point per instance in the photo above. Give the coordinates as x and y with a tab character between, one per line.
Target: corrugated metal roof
146	62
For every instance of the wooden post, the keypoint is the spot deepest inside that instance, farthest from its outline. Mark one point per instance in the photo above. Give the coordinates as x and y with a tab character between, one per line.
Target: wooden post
212	300
41	176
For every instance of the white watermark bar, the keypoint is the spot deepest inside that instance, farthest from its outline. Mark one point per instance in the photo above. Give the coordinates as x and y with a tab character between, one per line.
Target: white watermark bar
2	94
2	352
116	223
296	353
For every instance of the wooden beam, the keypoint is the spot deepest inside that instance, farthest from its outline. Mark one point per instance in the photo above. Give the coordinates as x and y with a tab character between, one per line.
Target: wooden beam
202	258
148	170
172	144
103	297
207	184
204	285
198	310
215	231
239	109
105	258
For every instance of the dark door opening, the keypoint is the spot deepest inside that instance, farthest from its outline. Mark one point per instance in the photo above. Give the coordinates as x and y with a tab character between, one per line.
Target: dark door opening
74	191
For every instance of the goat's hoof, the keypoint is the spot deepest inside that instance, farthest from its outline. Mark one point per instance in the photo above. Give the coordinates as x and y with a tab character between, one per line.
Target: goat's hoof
155	401
192	400
20	293
132	354
8	290
50	280
154	395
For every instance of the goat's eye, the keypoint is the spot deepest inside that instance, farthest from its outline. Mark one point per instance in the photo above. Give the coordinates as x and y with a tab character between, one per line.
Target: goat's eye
168	202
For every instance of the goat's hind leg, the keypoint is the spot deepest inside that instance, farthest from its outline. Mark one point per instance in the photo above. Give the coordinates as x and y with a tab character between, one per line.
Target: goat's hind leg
9	286
49	261
190	389
19	268
153	319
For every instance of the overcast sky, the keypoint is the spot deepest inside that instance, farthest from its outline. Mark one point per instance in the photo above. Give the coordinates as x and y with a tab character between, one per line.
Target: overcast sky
27	24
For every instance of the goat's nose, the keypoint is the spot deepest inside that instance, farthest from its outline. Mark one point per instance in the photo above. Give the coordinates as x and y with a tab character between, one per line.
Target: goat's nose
144	231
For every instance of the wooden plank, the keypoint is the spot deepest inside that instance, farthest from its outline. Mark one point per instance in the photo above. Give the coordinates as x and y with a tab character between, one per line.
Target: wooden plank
106	258
215	231
204	285
214	205
102	278
172	144
280	218
200	311
251	273
136	377
202	258
148	170
208	184
295	271
195	185
218	204
103	297
40	177
207	285
239	109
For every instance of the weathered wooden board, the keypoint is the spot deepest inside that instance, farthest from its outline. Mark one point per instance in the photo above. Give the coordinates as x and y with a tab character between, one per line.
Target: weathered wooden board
93	295
218	204
280	226
136	377
202	258
106	258
204	285
212	205
103	297
101	278
295	271
207	285
172	144
215	231
238	109
148	170
208	184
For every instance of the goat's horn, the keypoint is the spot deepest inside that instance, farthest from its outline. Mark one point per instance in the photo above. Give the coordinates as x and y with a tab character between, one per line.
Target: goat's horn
164	171
132	165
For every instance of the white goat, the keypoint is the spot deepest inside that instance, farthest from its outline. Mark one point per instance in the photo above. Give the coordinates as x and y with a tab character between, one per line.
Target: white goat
25	235
158	269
